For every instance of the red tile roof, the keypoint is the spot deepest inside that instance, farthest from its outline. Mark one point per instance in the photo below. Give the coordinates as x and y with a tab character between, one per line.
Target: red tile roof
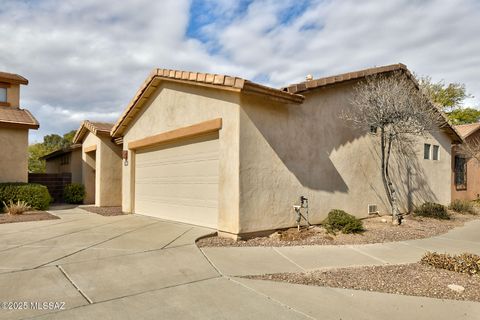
97	128
18	118
466	130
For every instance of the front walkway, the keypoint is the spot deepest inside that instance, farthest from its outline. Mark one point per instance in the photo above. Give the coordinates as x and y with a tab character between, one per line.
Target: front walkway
135	267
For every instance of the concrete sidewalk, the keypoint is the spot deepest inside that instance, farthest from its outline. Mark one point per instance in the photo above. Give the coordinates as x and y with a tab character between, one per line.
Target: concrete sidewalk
241	261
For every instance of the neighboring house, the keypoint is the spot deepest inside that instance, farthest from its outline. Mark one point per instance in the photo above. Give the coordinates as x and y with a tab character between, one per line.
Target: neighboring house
465	169
234	155
101	164
14	125
67	160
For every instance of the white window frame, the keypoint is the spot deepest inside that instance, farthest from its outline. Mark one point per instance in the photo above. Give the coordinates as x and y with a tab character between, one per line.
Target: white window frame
429	155
437	148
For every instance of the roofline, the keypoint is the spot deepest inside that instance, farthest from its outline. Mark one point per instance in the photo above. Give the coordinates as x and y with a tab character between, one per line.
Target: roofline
468	124
88	126
12	78
21	125
215	81
59	152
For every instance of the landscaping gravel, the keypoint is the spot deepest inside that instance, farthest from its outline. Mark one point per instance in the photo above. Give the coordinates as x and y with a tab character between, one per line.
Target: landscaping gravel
411	279
27	216
378	229
105	211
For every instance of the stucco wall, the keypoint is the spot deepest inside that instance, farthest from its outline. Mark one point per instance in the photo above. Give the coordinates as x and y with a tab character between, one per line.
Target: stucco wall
74	166
14	159
13	95
472	192
104	167
294	150
174	106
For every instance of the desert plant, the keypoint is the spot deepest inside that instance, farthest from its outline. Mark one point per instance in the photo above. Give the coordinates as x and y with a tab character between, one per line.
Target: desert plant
74	193
339	220
462	206
19	207
432	210
468	263
35	195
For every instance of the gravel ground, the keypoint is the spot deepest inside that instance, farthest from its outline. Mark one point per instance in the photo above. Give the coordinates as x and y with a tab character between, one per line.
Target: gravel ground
376	231
27	216
105	211
411	279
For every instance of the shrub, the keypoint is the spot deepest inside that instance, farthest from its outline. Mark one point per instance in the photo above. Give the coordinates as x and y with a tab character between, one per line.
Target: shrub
16	208
462	206
468	263
35	195
74	193
432	210
339	220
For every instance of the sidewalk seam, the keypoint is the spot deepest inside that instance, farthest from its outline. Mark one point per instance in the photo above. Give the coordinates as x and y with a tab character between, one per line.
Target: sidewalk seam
288	259
368	254
74	284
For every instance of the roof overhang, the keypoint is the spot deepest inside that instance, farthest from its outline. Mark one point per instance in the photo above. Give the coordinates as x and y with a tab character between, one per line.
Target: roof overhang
86	127
60	152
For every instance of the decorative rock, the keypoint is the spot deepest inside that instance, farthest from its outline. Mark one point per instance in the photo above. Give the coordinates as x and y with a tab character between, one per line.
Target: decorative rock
275	235
384	220
456	288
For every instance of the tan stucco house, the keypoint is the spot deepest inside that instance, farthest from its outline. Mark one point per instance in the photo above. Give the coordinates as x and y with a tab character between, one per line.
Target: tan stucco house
14	125
66	160
101	164
234	155
466	169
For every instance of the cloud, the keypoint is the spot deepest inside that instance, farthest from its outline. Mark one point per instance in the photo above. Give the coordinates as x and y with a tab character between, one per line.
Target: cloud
86	59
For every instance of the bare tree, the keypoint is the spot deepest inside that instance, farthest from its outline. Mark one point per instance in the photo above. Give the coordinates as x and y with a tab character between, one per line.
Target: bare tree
393	106
470	148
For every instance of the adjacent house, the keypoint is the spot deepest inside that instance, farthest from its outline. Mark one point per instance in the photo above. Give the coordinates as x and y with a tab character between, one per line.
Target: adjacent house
466	169
235	155
14	125
66	160
101	164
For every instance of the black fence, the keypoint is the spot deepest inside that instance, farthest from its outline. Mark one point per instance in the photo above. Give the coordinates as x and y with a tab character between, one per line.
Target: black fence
55	182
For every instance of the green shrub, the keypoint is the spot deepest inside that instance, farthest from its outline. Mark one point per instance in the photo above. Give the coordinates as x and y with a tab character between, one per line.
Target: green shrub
339	220
35	195
74	193
432	210
462	206
464	263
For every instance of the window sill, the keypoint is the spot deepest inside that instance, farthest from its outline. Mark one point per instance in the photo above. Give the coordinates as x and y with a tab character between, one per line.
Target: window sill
4	104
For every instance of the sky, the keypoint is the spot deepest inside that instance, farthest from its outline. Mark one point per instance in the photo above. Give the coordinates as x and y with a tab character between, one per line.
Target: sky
86	59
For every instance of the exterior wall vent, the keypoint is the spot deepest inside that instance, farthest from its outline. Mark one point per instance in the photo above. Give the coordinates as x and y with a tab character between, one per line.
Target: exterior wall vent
372	209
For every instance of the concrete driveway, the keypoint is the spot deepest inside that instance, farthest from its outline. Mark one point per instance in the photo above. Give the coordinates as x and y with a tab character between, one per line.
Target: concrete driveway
85	266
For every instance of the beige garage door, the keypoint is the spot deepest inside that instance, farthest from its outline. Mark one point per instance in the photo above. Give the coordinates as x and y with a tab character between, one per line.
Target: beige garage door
179	181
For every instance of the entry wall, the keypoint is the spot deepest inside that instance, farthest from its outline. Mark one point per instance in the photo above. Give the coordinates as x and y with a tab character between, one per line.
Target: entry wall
291	150
14	159
174	106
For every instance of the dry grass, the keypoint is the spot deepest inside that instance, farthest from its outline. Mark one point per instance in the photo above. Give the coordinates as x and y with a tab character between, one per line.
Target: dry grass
16	208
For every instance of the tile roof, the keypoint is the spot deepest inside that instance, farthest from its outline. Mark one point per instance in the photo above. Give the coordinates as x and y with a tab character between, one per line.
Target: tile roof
18	118
321	82
12	78
218	81
60	152
466	130
97	128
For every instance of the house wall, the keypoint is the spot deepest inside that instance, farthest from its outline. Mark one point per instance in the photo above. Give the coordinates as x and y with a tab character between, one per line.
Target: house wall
104	167
472	192
291	150
74	166
174	106
14	159
13	95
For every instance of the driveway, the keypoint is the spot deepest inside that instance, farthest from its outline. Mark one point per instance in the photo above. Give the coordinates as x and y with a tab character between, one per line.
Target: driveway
134	267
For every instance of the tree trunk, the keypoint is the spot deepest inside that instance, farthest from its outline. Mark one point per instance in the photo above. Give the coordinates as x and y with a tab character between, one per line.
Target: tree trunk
396	217
385	177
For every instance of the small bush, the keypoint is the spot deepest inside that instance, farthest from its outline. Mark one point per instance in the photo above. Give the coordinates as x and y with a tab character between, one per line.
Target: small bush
468	263
13	208
339	220
74	193
462	206
35	195
432	210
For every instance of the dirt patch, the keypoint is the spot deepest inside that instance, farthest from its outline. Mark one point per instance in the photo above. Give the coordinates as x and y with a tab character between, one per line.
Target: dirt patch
411	279
105	211
378	230
27	216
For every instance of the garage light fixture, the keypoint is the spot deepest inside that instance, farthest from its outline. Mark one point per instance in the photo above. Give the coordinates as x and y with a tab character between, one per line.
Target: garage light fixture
125	157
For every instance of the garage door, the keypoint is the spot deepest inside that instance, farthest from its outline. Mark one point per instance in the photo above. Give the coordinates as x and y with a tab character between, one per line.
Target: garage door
179	181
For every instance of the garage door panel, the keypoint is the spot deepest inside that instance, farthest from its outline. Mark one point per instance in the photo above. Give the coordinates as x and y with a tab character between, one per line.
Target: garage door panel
179	181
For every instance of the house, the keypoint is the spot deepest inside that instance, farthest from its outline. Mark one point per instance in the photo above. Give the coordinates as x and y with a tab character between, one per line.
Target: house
234	155
101	164
66	160
466	169
14	125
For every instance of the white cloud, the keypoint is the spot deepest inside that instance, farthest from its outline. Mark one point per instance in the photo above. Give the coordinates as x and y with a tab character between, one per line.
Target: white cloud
86	59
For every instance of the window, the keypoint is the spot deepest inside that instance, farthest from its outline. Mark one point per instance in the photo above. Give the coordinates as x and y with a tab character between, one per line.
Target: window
436	153
373	129
460	173
65	159
426	151
3	94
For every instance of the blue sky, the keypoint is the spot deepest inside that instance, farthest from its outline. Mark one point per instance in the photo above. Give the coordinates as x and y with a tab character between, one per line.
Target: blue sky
85	59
